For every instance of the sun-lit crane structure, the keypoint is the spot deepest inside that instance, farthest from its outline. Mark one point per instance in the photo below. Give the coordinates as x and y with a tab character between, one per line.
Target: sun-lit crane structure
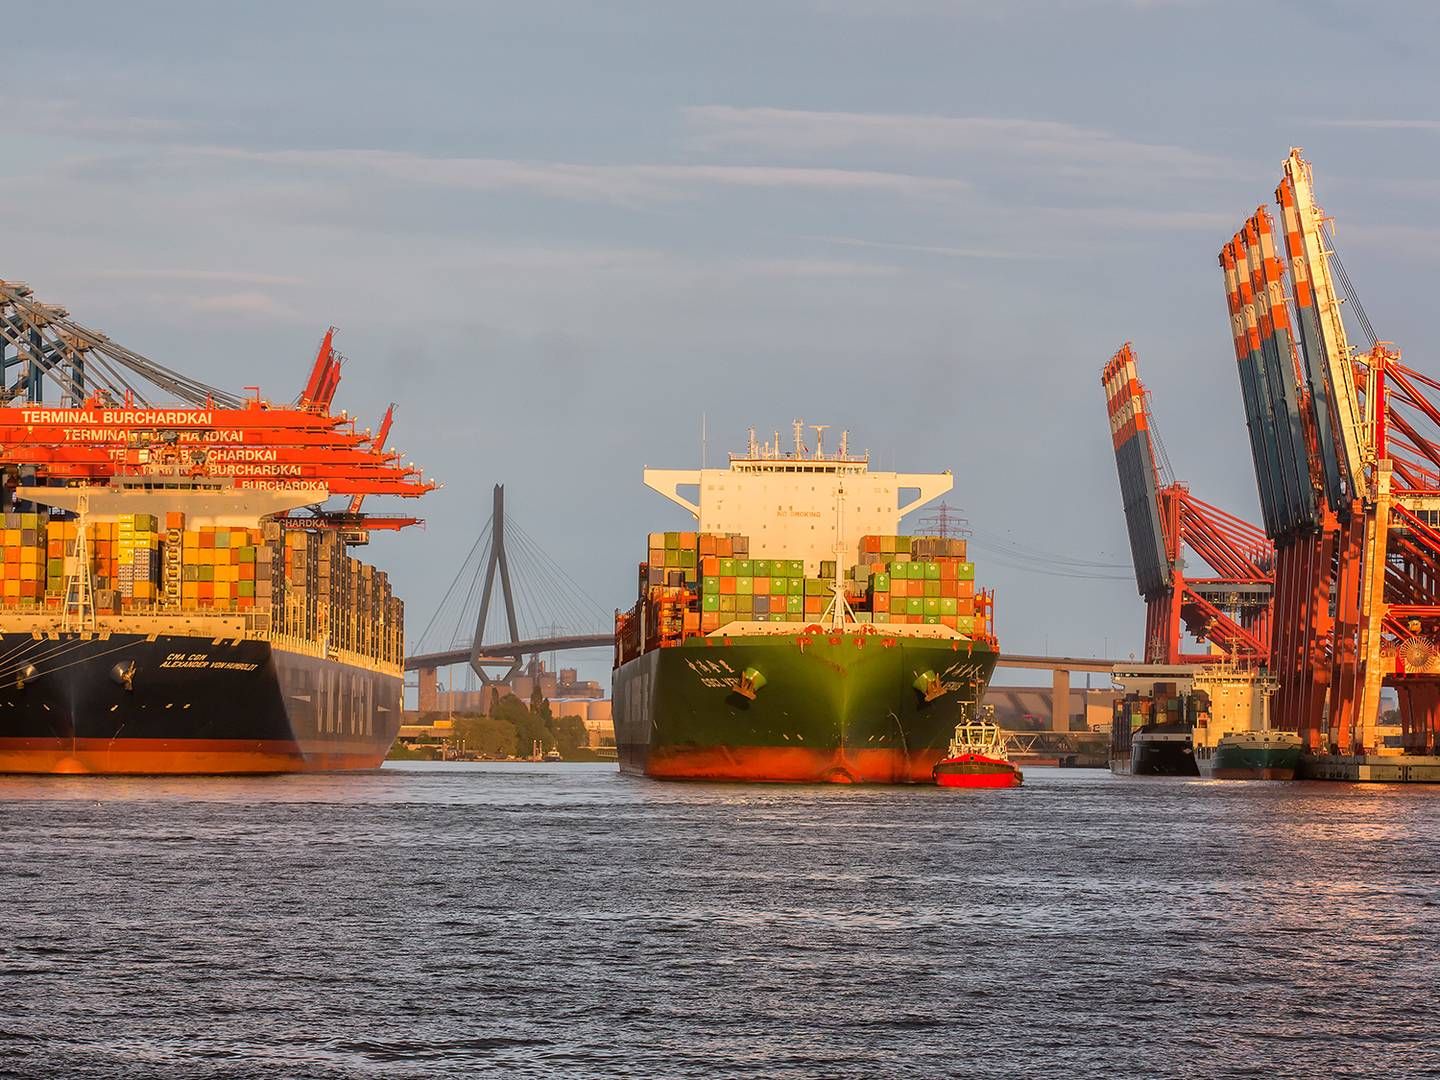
1346	450
1228	610
116	412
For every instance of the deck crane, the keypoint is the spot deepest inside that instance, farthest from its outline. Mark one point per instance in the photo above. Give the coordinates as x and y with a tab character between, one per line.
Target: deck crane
1228	610
1357	529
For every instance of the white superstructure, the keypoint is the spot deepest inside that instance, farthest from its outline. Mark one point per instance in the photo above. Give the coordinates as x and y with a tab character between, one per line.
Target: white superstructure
799	501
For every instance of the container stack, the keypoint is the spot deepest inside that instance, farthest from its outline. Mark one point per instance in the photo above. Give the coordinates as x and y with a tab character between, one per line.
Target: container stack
919	579
697	583
218	568
138	558
759	590
23	573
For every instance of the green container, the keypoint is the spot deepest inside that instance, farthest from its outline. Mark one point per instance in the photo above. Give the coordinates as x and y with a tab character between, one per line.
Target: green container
687	558
965	624
710	585
672	541
880	582
932	570
744	568
727	602
932	620
795	604
779	586
760	617
965	571
932	605
880	617
245	588
207	573
914	605
245	554
691	576
762	567
190	573
947	605
796	584
745	604
744	586
710	601
727	568
932	589
55	568
814	587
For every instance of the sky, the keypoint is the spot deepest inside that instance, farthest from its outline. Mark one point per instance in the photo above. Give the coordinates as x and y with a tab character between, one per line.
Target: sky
558	234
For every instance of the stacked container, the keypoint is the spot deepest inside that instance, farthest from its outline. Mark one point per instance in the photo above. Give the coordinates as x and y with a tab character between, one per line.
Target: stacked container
23	573
696	583
218	568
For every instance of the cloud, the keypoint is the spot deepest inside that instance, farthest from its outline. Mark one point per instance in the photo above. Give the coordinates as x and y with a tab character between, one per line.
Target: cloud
240	303
584	182
940	249
1068	147
1382	125
235	277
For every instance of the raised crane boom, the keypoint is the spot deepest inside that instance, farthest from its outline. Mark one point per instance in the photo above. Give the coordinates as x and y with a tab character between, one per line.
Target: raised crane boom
1229	611
1322	330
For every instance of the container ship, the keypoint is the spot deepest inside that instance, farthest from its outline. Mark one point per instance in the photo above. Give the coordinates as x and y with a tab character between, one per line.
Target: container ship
796	635
1209	720
175	597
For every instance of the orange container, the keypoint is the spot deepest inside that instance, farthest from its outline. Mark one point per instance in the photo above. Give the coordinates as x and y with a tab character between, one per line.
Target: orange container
727	586
710	565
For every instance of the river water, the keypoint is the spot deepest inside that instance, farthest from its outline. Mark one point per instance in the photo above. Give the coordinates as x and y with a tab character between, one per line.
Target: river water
545	920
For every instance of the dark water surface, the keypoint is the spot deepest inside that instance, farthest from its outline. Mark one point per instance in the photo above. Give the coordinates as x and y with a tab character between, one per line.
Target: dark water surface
541	920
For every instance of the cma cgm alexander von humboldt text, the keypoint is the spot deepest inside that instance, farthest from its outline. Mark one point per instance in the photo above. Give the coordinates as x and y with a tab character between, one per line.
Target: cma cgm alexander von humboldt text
165	607
794	636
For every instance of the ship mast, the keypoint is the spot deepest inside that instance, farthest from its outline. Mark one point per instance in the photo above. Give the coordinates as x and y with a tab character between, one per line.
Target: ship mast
839	611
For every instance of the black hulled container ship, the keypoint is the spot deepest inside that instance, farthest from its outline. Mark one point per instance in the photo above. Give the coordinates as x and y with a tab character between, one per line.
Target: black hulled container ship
174	595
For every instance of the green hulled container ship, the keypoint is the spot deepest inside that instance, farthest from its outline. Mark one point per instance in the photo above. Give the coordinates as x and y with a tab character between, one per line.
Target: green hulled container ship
796	635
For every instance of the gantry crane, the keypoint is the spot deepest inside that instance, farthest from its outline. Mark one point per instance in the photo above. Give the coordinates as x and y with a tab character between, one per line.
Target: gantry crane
1347	464
1229	609
120	413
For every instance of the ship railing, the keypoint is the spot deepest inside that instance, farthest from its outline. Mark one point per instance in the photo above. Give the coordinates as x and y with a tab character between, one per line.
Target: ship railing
321	649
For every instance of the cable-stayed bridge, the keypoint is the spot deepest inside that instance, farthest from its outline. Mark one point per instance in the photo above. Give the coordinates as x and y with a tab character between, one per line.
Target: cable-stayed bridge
509	601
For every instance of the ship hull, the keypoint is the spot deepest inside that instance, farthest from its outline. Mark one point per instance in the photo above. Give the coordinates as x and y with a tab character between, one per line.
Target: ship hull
976	771
1162	753
833	708
1251	758
130	704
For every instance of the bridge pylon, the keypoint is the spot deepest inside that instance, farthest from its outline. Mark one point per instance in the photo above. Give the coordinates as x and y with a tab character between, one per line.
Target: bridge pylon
497	565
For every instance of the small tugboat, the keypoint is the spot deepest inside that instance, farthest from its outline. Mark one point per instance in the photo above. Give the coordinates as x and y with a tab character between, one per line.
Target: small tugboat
977	757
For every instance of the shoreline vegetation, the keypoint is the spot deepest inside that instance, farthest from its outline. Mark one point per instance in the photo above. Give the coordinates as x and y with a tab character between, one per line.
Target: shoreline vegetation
507	731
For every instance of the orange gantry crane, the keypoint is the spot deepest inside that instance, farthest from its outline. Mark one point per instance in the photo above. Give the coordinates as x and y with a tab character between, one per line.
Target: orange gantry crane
119	413
1346	450
1228	610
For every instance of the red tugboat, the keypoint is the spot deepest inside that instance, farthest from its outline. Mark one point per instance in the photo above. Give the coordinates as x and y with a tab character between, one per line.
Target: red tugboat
977	757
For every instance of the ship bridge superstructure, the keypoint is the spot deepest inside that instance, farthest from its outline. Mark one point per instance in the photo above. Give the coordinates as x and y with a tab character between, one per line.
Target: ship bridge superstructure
798	500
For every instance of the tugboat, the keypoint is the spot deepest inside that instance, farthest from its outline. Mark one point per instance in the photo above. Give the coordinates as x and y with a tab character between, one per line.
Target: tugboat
977	756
